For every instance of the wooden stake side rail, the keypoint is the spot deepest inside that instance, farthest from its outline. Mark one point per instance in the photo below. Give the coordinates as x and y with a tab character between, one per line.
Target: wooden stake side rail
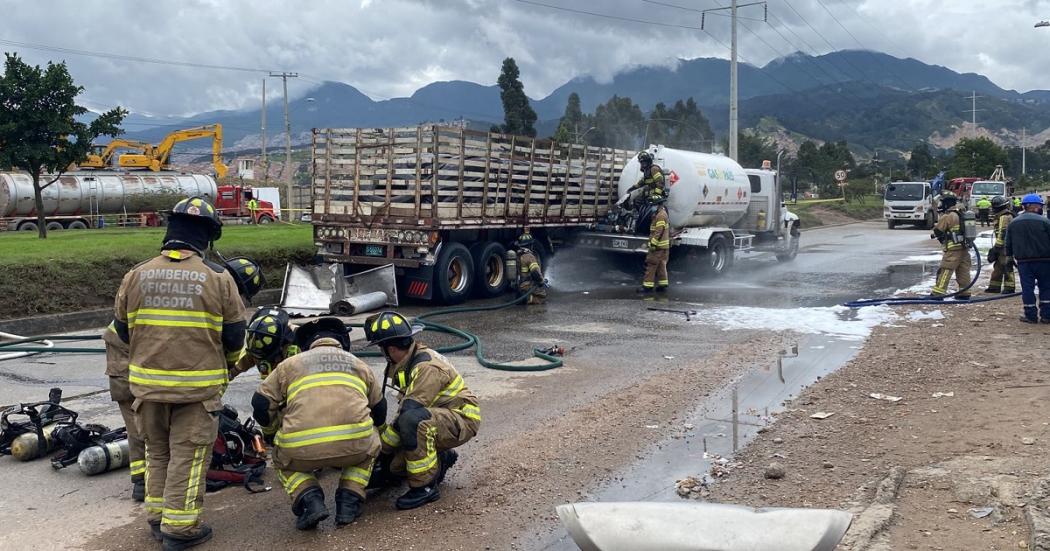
444	177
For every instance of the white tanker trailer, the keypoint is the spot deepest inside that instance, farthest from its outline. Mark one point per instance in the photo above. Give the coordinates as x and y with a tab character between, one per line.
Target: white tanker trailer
78	199
715	207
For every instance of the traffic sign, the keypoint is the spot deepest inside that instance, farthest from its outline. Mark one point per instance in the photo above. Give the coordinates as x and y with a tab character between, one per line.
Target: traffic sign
840	175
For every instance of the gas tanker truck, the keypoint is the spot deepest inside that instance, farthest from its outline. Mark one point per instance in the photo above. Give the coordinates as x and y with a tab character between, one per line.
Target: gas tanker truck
443	205
80	199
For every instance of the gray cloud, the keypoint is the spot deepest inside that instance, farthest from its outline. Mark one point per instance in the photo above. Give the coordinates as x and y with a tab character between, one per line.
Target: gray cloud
389	48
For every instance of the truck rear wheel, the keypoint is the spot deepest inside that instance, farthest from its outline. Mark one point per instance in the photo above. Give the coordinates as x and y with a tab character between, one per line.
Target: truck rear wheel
54	226
27	226
453	273
490	276
77	225
719	255
265	219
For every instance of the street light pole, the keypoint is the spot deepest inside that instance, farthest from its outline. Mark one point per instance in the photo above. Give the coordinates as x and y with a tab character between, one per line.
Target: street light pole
288	144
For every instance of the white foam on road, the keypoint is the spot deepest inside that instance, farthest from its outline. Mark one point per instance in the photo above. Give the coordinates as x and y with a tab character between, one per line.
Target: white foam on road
920	315
835	321
932	257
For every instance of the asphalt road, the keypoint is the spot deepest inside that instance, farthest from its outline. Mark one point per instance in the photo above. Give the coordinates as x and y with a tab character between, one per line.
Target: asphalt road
546	437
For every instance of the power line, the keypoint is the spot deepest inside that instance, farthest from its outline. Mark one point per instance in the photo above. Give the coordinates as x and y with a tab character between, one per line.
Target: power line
121	57
607	16
669	5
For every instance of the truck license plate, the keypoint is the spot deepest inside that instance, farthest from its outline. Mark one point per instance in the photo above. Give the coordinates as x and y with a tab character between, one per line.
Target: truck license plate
900	215
619	243
373	250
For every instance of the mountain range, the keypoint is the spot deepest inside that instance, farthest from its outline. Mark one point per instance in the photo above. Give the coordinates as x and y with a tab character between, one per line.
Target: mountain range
868	98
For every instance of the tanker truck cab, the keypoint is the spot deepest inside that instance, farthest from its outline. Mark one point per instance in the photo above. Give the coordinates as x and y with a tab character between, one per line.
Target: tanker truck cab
716	210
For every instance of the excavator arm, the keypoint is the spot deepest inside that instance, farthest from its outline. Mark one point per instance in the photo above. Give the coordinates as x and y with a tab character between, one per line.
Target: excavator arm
156	157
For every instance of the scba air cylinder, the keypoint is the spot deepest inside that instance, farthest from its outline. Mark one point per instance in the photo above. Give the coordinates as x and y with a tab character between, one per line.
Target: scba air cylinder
969	225
105	457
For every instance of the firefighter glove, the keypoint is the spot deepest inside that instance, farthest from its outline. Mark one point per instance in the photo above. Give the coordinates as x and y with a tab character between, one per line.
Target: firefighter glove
993	255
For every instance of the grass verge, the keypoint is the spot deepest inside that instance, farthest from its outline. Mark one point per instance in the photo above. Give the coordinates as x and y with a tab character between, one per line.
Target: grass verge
79	270
820	213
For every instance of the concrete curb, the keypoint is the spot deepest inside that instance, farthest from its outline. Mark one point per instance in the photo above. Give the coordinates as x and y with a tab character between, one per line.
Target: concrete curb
825	226
53	324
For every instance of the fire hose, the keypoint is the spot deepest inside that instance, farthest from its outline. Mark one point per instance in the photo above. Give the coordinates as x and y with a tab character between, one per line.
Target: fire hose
469	340
900	301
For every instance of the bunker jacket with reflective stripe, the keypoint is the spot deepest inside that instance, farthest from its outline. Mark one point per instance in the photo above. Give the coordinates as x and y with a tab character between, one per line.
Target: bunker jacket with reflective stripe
428	378
659	231
652	181
324	397
946	226
116	353
185	324
1001	222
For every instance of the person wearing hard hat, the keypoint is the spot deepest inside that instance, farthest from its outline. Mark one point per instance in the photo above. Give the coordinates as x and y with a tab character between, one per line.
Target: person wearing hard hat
1002	280
437	412
270	340
1028	242
329	403
956	257
655	278
530	277
984	206
652	181
183	320
248	275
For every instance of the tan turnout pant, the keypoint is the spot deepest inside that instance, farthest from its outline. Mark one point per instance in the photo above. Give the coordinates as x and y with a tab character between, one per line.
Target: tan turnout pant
656	269
444	430
179	439
955	261
297	475
1002	276
120	392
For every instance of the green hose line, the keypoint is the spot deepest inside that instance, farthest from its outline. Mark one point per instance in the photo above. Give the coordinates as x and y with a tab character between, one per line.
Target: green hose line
14	345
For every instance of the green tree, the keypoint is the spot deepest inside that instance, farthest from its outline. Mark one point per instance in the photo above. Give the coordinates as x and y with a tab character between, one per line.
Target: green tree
618	123
518	116
976	157
920	161
39	130
681	126
573	123
752	149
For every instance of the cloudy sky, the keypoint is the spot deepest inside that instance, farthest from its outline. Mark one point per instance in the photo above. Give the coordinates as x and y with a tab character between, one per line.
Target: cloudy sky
389	48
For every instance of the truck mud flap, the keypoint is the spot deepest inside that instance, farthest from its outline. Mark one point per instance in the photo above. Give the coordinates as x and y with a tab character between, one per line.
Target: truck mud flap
418	283
325	289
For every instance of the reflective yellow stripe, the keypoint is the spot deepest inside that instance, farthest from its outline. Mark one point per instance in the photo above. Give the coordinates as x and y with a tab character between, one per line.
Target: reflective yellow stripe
175	318
176	378
138	467
235	356
469	411
326	379
179	517
659	224
390	436
454	388
429	461
196	476
356	474
154	504
320	435
290	483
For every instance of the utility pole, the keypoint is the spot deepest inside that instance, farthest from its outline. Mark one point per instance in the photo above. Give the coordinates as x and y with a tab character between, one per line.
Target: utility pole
734	105
288	144
265	168
1024	145
973	111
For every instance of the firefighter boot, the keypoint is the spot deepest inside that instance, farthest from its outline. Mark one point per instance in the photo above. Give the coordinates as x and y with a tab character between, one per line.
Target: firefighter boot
347	506
154	530
417	497
138	489
448	459
310	509
178	543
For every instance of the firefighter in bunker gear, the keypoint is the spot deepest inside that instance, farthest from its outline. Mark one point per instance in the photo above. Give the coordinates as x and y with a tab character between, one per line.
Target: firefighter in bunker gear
652	181
183	320
248	275
956	256
531	272
330	404
120	392
1002	280
270	341
659	249
437	412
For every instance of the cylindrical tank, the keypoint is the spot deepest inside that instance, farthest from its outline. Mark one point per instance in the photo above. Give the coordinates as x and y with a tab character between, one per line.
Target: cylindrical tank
89	192
27	447
705	190
105	457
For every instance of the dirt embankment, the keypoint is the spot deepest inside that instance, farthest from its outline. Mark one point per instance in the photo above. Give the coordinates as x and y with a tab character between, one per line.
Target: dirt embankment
960	461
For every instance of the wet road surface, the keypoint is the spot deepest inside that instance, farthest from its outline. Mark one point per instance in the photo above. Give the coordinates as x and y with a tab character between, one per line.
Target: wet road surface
613	342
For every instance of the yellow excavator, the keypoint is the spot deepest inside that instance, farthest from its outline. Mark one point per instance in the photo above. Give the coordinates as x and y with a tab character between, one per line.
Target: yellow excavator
155	157
101	155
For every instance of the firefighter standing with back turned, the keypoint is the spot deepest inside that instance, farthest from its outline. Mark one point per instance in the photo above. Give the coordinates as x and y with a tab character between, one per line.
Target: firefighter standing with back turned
183	320
437	412
1002	280
659	249
956	257
330	404
531	272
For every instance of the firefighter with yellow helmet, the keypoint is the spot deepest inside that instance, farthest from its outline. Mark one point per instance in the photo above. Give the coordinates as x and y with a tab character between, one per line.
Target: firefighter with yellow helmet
183	320
329	403
652	180
956	257
656	278
436	413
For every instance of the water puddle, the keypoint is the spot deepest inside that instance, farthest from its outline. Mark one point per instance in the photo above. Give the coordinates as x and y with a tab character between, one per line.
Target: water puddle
725	422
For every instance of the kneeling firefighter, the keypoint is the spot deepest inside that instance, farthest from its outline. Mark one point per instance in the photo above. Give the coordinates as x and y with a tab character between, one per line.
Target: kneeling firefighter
531	272
437	411
1002	280
330	404
956	256
270	341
